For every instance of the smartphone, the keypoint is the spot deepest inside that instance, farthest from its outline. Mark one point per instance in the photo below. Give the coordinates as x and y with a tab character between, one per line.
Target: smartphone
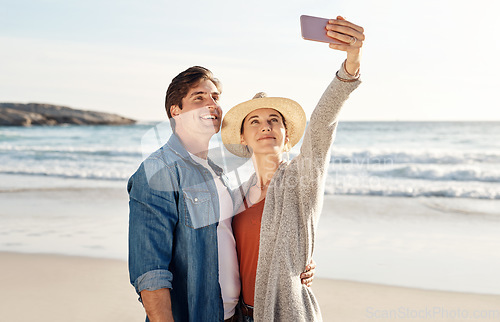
314	28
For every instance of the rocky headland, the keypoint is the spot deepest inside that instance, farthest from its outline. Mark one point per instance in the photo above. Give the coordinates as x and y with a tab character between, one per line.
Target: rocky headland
16	114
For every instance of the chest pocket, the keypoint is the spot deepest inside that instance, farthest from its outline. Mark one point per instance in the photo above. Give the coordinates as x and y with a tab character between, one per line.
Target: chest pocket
199	208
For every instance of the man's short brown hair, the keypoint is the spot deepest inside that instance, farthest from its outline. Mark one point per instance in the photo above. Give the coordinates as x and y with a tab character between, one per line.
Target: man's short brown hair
182	83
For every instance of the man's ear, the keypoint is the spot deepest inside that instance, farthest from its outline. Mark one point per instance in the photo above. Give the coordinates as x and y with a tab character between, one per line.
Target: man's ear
175	110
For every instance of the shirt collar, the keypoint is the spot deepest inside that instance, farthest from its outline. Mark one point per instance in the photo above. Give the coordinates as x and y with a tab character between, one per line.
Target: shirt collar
176	145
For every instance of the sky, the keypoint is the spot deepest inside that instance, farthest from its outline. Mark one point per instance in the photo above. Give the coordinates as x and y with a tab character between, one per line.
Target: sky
423	60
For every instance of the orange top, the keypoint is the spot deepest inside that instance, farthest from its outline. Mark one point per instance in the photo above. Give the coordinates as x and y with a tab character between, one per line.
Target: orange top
246	230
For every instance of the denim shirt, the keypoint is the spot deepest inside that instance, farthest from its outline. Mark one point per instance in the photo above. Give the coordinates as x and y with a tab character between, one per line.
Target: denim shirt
174	213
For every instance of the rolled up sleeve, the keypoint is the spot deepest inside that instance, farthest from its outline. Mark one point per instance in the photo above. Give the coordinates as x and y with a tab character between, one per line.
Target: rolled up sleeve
153	280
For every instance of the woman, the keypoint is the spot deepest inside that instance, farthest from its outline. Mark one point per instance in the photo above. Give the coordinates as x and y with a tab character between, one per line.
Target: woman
277	222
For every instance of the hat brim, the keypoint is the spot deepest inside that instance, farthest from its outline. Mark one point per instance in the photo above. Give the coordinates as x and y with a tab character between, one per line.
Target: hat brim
294	115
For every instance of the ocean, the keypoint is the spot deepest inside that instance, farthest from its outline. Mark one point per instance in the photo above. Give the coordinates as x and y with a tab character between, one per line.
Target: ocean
411	204
410	159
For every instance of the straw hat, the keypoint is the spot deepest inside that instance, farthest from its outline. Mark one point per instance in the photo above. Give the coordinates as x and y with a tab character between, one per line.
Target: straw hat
294	115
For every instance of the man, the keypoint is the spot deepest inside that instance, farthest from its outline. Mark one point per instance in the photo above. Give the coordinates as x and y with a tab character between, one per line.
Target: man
182	254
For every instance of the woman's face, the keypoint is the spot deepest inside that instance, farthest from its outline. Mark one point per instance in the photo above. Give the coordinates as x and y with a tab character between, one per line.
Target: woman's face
264	132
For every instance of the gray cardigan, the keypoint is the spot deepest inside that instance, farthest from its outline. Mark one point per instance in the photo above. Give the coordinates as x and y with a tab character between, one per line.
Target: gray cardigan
293	204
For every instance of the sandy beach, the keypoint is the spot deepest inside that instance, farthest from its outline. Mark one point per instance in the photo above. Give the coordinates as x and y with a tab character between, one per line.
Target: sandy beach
68	288
63	257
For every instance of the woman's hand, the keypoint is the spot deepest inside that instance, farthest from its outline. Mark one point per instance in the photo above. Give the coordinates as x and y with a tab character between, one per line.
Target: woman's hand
308	275
352	37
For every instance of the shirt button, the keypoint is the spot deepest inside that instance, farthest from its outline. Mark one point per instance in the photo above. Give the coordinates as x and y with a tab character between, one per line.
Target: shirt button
196	199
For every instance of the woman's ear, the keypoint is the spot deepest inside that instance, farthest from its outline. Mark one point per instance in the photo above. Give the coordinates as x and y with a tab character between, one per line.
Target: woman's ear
242	140
287	139
287	146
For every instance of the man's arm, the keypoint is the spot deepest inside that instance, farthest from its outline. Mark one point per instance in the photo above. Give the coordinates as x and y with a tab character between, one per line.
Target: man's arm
152	223
157	305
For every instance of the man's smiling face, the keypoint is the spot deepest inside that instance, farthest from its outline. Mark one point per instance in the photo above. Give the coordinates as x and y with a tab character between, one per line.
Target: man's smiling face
200	113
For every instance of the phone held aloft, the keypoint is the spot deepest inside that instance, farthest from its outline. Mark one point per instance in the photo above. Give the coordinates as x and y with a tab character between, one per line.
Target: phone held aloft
314	28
